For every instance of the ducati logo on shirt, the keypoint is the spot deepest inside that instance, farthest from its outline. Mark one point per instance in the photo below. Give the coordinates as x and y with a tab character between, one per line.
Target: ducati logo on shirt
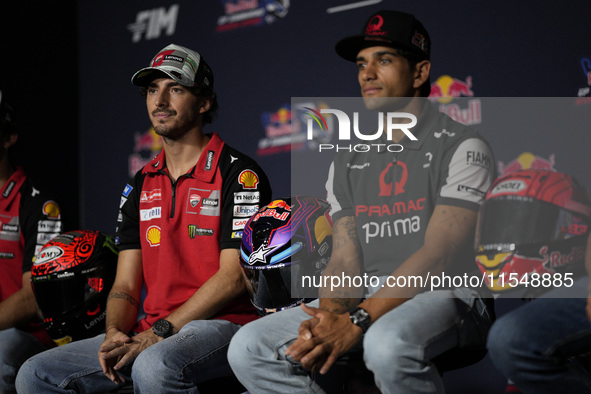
203	202
194	200
387	179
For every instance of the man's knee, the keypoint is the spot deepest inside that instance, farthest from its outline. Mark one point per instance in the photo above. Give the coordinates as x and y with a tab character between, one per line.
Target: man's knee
246	343
237	352
385	351
505	339
27	375
149	370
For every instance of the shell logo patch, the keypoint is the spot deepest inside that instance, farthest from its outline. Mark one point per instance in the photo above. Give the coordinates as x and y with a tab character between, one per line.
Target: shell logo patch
153	235
51	210
248	179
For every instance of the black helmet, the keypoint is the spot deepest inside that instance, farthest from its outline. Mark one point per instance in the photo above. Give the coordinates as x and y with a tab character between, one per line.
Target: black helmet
289	238
72	276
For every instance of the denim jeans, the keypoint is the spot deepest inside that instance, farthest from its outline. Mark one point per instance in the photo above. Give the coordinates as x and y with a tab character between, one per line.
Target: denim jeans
397	348
16	346
535	344
195	354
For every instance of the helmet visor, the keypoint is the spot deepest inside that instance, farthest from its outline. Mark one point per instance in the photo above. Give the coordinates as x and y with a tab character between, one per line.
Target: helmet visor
58	296
271	288
520	221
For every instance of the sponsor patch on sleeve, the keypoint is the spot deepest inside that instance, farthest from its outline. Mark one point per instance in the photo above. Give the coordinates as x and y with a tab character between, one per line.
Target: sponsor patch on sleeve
51	210
248	179
247	198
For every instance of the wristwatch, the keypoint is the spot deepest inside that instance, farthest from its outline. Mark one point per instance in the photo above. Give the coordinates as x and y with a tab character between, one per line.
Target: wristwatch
162	328
360	318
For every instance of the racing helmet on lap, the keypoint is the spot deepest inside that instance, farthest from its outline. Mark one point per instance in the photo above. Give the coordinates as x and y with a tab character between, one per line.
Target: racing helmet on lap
287	239
71	277
532	221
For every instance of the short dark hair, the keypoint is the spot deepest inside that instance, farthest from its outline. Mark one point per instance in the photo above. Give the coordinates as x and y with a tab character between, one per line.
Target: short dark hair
211	114
413	59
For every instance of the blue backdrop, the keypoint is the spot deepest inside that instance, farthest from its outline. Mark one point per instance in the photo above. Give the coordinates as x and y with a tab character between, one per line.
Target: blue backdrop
88	127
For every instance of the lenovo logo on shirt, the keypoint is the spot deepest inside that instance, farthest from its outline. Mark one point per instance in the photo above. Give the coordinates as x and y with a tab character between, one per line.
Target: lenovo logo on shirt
209	160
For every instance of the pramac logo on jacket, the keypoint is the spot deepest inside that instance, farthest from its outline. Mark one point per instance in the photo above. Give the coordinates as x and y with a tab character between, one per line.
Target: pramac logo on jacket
386	180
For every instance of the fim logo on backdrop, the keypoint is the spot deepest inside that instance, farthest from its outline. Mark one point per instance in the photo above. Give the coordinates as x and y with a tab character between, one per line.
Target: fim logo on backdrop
151	23
446	88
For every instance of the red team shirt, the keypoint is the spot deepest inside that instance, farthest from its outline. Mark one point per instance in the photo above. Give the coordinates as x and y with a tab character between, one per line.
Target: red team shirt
28	220
182	226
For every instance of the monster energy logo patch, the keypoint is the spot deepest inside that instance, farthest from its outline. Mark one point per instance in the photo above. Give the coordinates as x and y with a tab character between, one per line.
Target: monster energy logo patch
195	231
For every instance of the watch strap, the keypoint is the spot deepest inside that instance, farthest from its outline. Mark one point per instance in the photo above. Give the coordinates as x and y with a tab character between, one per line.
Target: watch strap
360	318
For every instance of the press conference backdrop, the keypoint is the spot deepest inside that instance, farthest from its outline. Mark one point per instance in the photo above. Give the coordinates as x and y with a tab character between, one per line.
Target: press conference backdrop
264	52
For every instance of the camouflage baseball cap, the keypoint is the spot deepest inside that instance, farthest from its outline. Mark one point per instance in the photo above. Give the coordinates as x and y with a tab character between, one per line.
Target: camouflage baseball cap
184	65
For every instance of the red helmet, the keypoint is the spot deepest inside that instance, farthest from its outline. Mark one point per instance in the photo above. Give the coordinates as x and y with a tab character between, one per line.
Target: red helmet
71	277
532	221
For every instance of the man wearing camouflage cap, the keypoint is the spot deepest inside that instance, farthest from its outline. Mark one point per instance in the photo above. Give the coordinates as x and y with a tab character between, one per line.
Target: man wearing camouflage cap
178	236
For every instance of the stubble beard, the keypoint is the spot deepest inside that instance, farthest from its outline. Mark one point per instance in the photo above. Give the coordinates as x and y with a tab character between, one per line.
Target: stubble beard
177	130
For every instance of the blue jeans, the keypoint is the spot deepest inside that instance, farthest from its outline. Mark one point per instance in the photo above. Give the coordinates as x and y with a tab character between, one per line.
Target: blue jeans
397	348
175	365
534	345
16	346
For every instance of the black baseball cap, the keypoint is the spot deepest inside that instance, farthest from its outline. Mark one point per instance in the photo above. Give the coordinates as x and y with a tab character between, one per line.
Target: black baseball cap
388	28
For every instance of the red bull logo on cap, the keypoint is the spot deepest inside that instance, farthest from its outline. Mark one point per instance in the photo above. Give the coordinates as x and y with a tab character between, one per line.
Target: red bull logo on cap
526	161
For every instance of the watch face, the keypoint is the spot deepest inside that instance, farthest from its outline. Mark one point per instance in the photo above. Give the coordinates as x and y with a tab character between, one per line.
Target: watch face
360	318
162	328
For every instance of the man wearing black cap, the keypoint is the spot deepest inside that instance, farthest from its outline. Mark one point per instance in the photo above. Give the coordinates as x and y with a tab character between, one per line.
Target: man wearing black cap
402	217
179	231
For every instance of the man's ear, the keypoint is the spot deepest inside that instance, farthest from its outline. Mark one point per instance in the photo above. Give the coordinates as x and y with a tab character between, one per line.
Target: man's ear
422	72
205	104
